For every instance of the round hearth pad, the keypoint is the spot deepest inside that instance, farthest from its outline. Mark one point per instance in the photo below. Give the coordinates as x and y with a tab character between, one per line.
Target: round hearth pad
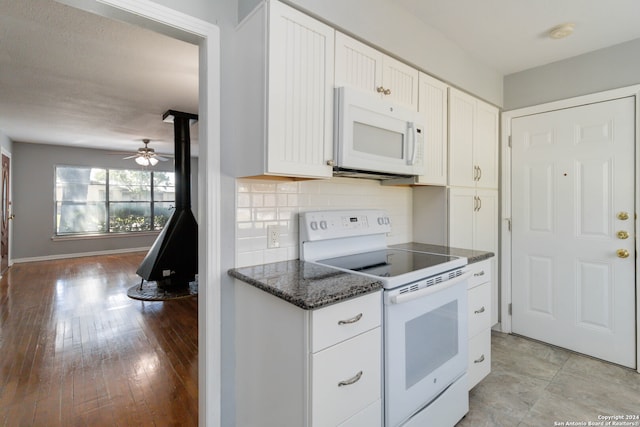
151	292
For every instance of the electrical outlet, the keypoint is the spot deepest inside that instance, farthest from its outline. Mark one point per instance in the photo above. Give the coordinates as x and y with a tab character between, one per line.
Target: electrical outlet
273	236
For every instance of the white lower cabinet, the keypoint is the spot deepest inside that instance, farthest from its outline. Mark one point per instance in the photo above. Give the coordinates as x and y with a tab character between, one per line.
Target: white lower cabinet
479	357
345	379
314	368
479	318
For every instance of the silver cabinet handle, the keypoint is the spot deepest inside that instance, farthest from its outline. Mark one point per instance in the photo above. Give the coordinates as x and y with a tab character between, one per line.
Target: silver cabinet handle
352	380
479	360
479	173
479	274
481	310
352	320
475	172
479	203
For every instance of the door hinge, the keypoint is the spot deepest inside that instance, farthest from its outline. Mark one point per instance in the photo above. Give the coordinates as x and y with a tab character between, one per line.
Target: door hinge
508	223
509	309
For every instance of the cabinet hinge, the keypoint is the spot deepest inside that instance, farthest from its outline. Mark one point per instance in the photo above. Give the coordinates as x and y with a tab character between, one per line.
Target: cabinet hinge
509	308
509	141
508	223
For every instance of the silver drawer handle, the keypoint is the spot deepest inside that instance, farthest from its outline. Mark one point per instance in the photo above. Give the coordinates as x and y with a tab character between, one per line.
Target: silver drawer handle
479	274
352	320
479	360
480	311
352	380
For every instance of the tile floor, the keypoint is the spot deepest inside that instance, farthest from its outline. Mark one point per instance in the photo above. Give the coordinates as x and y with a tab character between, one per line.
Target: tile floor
533	384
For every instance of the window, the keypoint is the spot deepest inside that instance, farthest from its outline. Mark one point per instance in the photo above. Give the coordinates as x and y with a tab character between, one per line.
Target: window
101	201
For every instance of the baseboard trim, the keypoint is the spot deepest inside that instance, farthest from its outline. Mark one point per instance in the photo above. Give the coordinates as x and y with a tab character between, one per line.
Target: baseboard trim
77	255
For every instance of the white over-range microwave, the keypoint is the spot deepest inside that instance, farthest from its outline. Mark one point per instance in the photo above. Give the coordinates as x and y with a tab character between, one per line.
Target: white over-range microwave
375	138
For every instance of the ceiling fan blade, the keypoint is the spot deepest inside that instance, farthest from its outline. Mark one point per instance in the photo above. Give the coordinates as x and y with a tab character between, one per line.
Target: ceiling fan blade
162	159
130	157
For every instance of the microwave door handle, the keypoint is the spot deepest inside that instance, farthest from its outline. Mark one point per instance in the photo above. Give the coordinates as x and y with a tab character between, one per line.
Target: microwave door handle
403	298
414	138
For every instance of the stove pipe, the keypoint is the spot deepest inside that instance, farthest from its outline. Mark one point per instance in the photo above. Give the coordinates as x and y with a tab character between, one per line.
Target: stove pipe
172	261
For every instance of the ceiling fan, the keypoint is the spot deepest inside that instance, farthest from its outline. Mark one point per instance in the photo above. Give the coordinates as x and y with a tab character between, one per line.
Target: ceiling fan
146	156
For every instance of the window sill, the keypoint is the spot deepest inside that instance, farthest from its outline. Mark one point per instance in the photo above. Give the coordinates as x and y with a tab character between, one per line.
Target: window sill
103	236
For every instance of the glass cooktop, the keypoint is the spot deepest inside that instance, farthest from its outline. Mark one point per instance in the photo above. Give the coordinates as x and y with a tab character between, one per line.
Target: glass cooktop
393	262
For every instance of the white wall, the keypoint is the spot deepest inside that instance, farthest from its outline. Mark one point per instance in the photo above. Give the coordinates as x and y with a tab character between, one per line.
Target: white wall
600	70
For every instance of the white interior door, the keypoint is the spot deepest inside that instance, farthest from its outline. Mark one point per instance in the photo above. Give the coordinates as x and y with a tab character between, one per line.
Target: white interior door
572	181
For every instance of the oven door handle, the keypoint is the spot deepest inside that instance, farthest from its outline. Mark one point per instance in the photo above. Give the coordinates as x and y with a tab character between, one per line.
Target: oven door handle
410	296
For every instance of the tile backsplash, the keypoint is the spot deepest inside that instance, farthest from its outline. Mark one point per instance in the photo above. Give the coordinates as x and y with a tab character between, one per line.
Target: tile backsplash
263	203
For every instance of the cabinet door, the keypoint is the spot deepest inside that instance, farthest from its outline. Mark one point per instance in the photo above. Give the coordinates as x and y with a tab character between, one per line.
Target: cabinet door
345	378
485	144
462	205
402	82
479	357
479	309
432	105
300	94
462	170
357	65
486	221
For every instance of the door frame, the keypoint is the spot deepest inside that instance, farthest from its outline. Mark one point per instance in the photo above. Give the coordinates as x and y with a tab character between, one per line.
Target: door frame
167	21
4	152
505	214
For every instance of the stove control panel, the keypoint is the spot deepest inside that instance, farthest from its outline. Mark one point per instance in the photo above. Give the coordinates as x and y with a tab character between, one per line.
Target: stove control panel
322	225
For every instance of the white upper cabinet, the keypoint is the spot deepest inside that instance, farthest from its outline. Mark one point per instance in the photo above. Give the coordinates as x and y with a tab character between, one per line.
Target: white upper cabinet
361	66
284	127
473	142
432	106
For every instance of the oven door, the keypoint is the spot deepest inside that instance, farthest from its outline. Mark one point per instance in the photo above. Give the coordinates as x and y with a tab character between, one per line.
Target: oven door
425	336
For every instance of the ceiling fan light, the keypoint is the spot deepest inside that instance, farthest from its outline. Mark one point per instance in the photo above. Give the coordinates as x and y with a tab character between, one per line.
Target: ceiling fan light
142	161
153	161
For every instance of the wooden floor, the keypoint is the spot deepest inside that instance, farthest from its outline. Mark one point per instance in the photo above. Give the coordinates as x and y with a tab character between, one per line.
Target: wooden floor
76	351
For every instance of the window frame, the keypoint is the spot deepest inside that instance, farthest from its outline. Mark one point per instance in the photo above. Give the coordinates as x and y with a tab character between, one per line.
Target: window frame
107	204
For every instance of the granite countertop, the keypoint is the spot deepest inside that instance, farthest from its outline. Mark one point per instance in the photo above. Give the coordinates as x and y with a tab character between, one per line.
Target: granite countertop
471	255
306	285
310	286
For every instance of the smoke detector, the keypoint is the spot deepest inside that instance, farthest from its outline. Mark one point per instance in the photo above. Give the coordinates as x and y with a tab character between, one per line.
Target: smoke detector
561	31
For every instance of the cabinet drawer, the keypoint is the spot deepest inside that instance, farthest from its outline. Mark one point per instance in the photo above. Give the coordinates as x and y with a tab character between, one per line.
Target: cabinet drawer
339	322
345	379
479	357
481	273
371	416
479	309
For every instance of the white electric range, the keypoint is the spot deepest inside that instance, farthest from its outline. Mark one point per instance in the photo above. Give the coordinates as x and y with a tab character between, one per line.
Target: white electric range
425	312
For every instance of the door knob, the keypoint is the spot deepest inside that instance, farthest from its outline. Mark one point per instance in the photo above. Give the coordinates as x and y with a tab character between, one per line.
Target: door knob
623	216
622	253
622	235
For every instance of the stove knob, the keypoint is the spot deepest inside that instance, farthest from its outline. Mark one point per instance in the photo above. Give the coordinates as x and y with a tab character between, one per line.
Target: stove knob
323	225
314	225
380	220
386	220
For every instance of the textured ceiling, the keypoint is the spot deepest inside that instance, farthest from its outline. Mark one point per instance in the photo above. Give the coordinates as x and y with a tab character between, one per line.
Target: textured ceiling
70	77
